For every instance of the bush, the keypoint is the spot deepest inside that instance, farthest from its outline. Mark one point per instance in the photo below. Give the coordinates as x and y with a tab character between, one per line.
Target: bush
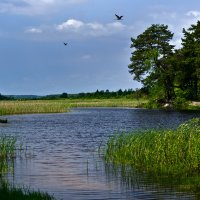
180	103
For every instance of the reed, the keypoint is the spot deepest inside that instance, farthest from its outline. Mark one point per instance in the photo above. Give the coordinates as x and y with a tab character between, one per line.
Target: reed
173	152
60	106
15	193
32	106
8	148
120	102
8	153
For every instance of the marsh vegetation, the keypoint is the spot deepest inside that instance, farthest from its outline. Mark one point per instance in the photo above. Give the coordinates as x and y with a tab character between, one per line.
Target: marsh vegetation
173	153
64	105
9	150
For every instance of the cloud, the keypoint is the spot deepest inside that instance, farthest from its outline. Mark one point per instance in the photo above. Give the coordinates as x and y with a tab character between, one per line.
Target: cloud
193	13
33	30
163	15
32	7
70	24
91	28
86	57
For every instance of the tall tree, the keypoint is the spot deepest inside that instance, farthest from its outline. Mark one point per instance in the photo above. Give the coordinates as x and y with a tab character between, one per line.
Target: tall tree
150	60
190	65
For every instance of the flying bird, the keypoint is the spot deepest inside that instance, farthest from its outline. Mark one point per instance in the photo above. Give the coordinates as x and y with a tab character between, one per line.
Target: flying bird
118	17
65	43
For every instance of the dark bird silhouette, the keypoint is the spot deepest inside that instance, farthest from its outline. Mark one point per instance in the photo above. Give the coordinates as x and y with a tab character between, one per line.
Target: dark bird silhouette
118	17
65	43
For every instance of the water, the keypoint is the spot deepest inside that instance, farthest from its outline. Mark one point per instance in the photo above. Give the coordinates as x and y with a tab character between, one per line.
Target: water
63	153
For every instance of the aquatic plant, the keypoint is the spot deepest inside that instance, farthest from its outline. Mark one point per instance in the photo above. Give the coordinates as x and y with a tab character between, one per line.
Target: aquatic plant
120	102
158	151
60	106
32	106
16	193
7	152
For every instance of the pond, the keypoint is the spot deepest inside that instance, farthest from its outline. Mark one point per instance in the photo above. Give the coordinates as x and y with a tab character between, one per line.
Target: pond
63	153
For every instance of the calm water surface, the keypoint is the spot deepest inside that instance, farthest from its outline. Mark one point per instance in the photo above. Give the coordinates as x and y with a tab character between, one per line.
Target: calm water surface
64	159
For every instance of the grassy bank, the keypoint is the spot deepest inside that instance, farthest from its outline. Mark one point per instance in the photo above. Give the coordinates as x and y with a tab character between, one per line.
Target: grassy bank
174	152
59	106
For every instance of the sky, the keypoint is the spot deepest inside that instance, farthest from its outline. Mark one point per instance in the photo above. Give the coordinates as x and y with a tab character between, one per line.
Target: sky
34	60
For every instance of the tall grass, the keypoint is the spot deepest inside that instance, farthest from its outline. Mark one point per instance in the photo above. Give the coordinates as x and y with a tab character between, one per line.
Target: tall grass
13	193
171	152
32	106
7	153
60	106
120	102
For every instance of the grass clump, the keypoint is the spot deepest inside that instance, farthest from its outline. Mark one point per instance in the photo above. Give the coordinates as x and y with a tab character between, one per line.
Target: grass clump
13	193
8	153
171	152
8	148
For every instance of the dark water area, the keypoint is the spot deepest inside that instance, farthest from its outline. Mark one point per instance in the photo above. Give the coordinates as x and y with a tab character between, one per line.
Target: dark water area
62	156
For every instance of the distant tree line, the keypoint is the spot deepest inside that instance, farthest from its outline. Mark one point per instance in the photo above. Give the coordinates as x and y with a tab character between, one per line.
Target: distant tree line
105	94
99	94
2	97
168	74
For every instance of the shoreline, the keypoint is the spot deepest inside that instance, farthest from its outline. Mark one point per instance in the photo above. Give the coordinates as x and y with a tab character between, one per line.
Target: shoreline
13	107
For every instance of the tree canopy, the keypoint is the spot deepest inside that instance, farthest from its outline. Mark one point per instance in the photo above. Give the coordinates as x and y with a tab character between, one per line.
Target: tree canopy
150	58
158	66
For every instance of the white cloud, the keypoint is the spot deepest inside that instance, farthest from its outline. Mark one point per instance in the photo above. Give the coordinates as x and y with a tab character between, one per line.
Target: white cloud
91	28
70	24
192	17
86	57
193	13
32	7
163	15
33	30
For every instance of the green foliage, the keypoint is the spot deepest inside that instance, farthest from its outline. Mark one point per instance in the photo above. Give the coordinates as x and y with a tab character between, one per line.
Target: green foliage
150	60
174	152
180	103
104	94
188	62
8	153
2	97
155	62
12	193
64	95
8	148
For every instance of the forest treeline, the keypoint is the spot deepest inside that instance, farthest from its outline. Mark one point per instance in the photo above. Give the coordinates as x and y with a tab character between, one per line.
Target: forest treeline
168	74
98	94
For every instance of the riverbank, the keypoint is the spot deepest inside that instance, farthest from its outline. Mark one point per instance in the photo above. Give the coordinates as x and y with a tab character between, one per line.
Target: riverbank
12	107
64	105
